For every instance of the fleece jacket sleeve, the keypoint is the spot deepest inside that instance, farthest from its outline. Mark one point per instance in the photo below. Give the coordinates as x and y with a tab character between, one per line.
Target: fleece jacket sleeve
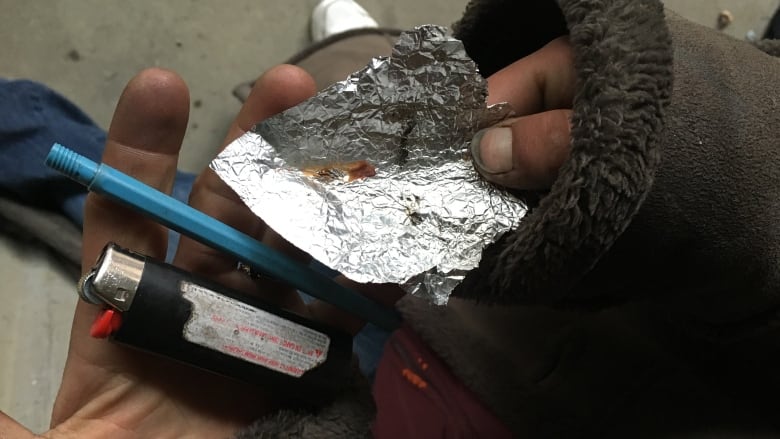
672	189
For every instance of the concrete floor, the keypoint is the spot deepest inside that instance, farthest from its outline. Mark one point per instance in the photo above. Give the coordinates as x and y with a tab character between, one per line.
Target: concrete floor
88	49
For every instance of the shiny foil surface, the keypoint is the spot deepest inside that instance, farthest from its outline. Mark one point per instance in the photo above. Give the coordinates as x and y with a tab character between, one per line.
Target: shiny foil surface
373	176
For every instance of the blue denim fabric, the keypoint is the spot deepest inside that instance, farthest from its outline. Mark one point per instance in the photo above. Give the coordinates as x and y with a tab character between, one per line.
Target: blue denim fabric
32	118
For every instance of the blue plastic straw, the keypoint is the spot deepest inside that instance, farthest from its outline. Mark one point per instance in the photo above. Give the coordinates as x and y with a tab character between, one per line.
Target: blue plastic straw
105	180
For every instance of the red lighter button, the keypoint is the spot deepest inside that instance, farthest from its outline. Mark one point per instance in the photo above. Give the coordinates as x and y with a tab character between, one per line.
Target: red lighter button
106	323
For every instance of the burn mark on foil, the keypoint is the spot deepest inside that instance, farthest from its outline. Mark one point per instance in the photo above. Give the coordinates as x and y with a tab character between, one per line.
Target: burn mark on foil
403	149
411	206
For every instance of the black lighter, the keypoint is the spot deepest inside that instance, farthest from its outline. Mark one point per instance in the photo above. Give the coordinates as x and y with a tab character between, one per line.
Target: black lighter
159	308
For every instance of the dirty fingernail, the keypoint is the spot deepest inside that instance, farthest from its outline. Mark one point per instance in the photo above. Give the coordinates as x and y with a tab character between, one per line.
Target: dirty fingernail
492	150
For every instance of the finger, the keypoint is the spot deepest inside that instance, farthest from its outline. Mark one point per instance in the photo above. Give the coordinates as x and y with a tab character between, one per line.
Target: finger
383	294
525	152
11	429
276	241
278	89
541	81
143	142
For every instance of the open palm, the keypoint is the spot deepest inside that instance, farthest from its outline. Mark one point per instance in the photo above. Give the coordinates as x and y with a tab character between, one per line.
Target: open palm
110	390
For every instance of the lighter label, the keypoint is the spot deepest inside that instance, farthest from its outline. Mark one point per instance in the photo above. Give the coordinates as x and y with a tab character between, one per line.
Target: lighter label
234	328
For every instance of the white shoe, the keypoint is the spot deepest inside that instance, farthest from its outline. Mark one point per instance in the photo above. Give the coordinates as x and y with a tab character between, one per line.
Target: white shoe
331	17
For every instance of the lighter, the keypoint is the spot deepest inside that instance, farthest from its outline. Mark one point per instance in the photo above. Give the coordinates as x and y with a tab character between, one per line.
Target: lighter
159	308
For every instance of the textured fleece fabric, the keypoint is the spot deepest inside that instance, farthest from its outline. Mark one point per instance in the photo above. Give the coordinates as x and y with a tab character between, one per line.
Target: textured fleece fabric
639	297
623	57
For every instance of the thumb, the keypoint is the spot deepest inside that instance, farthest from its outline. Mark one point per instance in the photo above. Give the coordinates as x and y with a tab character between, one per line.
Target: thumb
524	152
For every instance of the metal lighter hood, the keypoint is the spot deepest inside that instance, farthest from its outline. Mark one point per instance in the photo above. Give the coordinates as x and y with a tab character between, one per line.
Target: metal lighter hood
116	277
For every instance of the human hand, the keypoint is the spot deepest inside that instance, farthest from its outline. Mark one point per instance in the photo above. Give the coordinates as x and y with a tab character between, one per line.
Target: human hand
111	391
525	152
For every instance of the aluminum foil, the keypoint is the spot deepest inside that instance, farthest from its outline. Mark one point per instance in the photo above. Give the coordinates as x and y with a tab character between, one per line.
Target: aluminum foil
420	215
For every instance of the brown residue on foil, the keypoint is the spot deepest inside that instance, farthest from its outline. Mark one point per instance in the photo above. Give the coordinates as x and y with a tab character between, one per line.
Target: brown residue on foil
347	172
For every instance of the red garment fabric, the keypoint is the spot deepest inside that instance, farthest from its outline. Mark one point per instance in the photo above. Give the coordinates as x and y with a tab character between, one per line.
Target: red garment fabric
417	396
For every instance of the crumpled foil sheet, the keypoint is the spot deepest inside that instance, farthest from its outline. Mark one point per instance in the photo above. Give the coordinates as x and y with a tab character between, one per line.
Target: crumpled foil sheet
424	218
